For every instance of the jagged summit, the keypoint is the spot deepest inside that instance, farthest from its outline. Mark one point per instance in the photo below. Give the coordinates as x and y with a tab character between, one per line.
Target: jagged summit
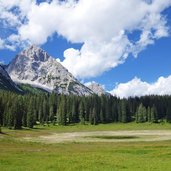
35	67
35	52
97	88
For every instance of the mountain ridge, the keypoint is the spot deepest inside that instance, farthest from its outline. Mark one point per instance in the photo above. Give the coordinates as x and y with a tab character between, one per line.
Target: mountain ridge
35	67
97	88
6	83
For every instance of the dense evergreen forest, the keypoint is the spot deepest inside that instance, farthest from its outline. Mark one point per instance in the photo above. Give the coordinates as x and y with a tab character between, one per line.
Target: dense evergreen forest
17	111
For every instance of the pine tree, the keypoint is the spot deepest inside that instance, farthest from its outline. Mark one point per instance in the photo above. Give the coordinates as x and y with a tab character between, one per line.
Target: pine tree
94	114
141	115
51	113
154	117
101	116
168	113
10	120
81	113
30	115
45	110
149	114
61	115
123	111
40	114
0	115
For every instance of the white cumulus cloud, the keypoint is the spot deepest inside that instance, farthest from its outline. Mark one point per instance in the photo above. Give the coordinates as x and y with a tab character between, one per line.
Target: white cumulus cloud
137	87
101	26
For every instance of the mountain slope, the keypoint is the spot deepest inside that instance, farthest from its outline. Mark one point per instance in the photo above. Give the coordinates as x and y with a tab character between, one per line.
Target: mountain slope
97	88
6	83
28	89
35	67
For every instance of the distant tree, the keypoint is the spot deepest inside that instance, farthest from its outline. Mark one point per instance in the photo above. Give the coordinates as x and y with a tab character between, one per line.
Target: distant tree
102	120
82	113
40	114
123	111
30	115
94	115
149	114
45	110
141	115
1	115
154	117
168	113
61	114
10	120
51	113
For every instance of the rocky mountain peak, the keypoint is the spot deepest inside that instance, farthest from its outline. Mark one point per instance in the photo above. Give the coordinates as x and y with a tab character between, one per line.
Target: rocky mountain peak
96	88
36	53
35	67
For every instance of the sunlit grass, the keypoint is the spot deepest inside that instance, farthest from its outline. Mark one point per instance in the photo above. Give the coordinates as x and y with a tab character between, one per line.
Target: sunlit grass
27	156
16	155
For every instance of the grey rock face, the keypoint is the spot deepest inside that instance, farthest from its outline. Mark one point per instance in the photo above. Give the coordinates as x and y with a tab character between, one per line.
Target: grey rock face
97	89
35	67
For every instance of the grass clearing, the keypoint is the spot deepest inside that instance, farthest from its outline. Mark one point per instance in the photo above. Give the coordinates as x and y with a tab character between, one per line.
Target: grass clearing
18	155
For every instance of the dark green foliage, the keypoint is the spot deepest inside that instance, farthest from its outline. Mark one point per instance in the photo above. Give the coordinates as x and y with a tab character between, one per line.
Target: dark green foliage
62	111
5	84
82	112
149	114
154	117
25	110
28	89
30	114
141	114
168	112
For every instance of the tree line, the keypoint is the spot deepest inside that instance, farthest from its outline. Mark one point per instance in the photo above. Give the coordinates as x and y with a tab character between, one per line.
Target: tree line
17	111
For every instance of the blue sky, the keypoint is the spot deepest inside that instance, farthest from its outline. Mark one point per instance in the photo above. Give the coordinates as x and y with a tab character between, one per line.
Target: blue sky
152	62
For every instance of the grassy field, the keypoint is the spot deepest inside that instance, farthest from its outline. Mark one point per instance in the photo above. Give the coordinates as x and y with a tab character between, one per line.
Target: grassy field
18	155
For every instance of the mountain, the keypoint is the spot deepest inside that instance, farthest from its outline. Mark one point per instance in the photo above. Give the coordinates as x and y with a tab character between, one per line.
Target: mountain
6	82
35	67
28	89
97	88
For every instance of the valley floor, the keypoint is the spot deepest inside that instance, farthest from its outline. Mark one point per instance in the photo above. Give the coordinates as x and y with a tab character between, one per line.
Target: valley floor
126	147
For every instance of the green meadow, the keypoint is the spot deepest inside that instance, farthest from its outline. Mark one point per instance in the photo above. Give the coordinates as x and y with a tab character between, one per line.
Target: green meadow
19	155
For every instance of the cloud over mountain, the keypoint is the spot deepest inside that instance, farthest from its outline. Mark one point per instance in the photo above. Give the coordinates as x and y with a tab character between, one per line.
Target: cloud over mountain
103	27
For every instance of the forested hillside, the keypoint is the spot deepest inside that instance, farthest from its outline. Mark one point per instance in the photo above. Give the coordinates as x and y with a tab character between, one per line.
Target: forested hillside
17	111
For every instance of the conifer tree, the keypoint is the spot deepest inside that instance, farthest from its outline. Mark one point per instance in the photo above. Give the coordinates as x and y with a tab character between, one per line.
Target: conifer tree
123	111
61	115
45	110
94	116
149	114
10	120
30	115
141	114
81	113
154	117
168	113
101	116
51	113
